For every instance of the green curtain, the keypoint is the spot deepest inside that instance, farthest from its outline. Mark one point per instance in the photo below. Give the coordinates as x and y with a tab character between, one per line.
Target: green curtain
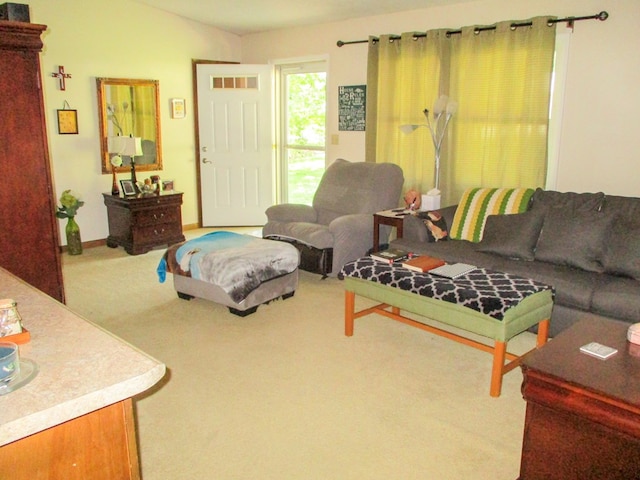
134	110
501	80
144	112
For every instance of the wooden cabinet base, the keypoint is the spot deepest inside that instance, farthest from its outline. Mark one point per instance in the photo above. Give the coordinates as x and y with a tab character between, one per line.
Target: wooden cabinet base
141	223
98	446
583	413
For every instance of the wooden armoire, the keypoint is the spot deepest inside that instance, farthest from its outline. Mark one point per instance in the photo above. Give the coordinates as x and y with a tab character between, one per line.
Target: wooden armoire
29	240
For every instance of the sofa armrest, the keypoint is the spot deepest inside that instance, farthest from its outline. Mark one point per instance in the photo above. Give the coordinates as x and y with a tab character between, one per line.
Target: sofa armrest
352	237
291	212
356	224
448	214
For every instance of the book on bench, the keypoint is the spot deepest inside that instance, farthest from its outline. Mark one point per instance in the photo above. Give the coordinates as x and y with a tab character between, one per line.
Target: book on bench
390	255
453	270
422	263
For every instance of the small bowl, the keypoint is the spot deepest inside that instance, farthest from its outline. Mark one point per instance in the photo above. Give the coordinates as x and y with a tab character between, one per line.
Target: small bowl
9	361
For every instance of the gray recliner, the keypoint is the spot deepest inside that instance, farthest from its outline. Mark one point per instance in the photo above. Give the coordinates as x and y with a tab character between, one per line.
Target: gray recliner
339	225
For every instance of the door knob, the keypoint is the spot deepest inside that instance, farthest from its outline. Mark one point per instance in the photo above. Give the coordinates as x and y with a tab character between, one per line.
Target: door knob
204	160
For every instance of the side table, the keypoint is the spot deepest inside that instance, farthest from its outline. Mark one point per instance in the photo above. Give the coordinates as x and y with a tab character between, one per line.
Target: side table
141	222
583	413
394	218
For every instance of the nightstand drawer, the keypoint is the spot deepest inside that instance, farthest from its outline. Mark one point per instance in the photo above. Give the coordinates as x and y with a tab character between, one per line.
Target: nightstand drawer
156	233
156	216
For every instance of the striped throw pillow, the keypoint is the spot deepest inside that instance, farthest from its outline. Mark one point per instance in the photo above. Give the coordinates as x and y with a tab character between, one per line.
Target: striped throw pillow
477	204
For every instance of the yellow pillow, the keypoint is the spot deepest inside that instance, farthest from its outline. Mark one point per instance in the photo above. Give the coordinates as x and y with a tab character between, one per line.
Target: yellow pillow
477	204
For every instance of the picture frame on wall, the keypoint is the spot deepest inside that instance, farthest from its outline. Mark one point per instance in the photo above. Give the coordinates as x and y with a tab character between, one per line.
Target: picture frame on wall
67	122
128	188
178	108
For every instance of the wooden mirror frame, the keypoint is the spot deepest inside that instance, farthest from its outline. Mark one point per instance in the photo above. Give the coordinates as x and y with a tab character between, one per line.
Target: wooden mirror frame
110	128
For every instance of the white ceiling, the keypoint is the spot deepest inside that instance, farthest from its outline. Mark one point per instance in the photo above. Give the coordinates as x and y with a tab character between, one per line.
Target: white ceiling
250	16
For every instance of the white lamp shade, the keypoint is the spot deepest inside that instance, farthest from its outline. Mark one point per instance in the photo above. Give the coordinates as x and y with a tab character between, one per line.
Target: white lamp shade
126	146
440	105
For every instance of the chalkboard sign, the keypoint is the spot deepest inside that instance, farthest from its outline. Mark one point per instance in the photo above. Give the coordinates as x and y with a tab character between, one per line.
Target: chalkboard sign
352	102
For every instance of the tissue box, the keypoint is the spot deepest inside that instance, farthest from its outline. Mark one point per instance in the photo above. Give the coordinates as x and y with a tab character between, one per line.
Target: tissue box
430	202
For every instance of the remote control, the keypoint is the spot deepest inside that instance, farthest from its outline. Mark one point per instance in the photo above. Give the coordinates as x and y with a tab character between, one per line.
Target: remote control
598	350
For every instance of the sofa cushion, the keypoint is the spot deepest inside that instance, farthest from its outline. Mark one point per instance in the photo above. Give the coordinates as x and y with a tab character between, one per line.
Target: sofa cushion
622	253
513	236
570	201
451	251
574	238
617	297
477	204
573	287
624	207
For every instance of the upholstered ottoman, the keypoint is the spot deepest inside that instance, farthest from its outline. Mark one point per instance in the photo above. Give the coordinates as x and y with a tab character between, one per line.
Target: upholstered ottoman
238	271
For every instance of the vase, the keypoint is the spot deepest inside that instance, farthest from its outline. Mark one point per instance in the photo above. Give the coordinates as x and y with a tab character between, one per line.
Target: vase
74	243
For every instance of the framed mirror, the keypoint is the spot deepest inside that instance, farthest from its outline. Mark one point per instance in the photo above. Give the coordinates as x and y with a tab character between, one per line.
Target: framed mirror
129	107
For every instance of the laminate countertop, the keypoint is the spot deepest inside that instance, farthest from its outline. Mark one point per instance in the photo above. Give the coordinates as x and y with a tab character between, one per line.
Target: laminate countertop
82	367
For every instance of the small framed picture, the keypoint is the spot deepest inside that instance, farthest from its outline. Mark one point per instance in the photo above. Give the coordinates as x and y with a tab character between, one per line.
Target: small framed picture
178	109
167	185
128	188
68	122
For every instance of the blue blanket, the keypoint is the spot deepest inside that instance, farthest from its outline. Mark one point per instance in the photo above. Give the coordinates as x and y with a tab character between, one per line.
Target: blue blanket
236	263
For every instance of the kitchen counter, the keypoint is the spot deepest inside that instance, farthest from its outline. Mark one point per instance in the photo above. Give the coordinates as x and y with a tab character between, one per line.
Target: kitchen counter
82	367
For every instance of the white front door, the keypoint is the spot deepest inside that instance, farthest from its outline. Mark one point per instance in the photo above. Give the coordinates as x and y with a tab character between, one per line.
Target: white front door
236	147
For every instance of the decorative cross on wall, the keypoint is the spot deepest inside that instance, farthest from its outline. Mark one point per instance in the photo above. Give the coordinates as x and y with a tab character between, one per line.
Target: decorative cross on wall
61	76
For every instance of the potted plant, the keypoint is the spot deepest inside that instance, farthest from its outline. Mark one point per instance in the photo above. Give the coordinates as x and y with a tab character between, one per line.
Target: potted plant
70	205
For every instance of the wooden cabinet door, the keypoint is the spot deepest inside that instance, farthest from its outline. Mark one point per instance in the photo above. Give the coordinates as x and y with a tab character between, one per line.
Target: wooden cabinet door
29	240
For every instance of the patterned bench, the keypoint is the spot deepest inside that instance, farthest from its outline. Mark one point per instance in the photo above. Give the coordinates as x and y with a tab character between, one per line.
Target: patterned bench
491	304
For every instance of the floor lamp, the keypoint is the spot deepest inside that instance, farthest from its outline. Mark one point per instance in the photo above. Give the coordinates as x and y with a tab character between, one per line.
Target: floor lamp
437	122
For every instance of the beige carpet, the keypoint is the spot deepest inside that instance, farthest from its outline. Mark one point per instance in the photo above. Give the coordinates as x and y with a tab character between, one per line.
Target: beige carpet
283	394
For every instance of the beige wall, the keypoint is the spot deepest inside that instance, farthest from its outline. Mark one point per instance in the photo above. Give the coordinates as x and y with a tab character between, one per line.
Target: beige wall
121	39
599	141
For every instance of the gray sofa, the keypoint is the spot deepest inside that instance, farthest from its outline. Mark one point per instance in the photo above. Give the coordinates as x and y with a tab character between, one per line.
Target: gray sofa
587	246
338	227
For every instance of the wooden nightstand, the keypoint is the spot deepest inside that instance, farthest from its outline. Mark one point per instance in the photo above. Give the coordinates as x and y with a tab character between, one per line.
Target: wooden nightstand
394	218
142	222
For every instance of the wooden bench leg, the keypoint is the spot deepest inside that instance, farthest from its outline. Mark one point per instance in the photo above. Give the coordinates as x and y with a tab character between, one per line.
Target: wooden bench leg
543	333
349	312
499	353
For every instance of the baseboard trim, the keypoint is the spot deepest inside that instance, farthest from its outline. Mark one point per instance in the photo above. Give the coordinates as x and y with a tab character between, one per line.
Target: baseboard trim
103	242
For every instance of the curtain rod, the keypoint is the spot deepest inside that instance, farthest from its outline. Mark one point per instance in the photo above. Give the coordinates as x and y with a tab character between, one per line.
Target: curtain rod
602	16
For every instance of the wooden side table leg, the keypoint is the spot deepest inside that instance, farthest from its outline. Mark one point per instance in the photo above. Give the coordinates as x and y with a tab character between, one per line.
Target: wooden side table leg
499	353
543	333
349	312
376	234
